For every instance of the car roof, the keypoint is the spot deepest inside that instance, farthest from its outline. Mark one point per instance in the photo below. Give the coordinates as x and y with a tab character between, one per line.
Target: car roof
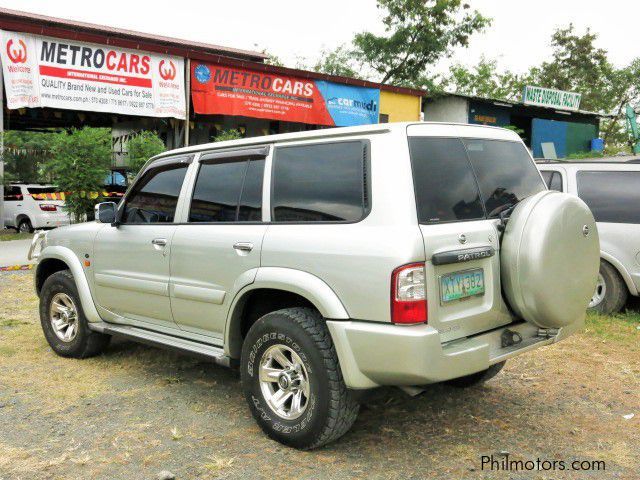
603	166
377	128
32	185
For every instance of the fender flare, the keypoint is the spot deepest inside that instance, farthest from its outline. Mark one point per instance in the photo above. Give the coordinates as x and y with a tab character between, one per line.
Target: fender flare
621	270
67	256
291	280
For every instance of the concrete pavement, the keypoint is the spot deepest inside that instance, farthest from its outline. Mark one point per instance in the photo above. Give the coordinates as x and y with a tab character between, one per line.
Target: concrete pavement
14	252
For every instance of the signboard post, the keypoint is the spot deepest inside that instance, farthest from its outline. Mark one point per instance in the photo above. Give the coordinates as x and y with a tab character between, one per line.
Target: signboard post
548	97
49	72
224	90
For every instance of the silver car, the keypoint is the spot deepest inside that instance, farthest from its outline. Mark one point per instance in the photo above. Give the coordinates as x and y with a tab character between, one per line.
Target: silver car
327	263
612	191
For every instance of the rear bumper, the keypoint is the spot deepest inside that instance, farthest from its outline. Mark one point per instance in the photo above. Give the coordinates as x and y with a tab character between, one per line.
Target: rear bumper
374	354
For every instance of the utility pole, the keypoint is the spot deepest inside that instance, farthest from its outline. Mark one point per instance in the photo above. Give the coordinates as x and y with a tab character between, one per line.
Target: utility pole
1	150
187	101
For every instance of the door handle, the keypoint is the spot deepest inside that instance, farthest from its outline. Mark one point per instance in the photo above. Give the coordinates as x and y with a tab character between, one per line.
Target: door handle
160	242
243	246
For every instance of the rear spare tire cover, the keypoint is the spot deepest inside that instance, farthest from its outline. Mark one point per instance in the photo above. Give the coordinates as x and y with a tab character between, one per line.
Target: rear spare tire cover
550	255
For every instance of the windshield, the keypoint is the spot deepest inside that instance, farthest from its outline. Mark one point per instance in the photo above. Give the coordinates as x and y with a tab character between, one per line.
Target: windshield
468	179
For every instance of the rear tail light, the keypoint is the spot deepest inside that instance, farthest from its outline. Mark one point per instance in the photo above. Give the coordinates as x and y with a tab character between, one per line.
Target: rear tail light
408	294
47	207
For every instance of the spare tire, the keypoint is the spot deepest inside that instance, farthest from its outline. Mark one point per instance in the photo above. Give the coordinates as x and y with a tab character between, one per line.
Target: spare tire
550	254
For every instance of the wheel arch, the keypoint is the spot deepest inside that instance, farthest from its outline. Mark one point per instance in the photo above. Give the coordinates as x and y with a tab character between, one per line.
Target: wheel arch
622	271
55	258
275	288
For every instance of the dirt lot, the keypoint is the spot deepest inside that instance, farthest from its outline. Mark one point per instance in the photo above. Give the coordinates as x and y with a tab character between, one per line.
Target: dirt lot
136	411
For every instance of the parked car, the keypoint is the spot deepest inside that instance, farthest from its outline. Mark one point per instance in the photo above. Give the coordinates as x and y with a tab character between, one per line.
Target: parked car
31	206
612	191
327	263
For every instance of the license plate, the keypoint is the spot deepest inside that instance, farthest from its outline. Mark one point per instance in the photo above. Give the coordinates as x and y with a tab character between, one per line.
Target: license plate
458	285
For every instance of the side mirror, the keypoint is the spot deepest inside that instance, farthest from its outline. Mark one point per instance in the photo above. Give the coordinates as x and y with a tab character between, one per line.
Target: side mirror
106	212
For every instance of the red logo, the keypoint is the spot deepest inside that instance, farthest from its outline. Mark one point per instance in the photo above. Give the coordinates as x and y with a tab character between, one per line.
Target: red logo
168	72
18	54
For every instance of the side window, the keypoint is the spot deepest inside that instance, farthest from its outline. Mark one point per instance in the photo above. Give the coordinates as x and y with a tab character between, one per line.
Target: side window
320	183
553	179
154	197
444	182
228	191
12	194
612	196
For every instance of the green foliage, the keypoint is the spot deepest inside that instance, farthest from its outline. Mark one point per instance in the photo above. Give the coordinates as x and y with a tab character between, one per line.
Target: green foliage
418	33
24	155
484	80
336	62
225	135
79	164
581	155
142	147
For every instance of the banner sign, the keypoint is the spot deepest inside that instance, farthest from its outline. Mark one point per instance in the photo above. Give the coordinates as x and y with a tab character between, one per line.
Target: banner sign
547	97
237	91
50	72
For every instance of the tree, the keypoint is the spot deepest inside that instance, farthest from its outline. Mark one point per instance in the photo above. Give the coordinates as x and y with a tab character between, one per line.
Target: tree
24	155
225	135
142	147
418	33
336	62
79	164
484	80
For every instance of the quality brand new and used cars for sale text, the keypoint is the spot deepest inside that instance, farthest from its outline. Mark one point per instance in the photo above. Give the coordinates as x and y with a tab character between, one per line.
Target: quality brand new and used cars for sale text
327	263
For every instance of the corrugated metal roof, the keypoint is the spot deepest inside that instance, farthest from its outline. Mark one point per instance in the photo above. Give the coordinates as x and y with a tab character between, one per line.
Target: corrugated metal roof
46	21
512	102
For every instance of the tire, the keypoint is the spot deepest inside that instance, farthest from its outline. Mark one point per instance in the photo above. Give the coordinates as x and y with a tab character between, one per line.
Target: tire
477	378
328	410
614	296
25	226
81	342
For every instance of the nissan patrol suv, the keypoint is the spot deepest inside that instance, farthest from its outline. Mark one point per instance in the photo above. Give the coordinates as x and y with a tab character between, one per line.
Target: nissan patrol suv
327	263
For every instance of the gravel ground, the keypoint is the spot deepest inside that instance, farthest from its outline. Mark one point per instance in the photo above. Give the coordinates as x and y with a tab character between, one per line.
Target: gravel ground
136	411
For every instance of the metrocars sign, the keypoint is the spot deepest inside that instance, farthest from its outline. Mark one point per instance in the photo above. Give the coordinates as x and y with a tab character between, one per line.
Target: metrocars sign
217	89
50	72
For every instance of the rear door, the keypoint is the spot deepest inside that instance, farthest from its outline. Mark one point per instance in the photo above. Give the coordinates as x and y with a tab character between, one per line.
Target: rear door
13	199
462	185
217	250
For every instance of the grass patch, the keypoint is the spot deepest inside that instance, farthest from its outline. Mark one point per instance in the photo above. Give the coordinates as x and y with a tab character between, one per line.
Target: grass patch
622	328
11	322
5	237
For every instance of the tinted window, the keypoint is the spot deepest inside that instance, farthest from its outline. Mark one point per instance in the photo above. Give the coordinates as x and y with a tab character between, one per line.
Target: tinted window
40	190
319	183
445	187
612	196
155	195
504	171
228	191
552	179
12	194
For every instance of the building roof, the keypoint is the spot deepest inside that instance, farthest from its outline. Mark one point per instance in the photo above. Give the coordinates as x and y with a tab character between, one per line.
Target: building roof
27	22
498	101
15	20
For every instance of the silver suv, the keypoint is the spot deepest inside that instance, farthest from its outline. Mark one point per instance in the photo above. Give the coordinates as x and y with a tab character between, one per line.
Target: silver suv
612	191
327	263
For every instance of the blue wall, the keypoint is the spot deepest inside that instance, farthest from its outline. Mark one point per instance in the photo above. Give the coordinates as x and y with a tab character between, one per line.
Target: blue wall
543	131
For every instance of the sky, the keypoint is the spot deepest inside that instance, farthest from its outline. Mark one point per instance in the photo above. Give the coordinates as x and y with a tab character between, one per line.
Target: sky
296	29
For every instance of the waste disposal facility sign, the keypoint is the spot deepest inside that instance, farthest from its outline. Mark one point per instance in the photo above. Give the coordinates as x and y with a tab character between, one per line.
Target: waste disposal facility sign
50	72
237	91
548	97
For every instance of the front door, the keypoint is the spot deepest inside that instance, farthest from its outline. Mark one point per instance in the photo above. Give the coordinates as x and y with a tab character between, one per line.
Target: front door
131	260
217	251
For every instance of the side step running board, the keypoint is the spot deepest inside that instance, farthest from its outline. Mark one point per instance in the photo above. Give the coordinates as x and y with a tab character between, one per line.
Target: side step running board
156	339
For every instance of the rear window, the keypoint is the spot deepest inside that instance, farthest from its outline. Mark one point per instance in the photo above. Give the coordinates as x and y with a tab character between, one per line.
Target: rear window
38	190
320	183
613	197
467	179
